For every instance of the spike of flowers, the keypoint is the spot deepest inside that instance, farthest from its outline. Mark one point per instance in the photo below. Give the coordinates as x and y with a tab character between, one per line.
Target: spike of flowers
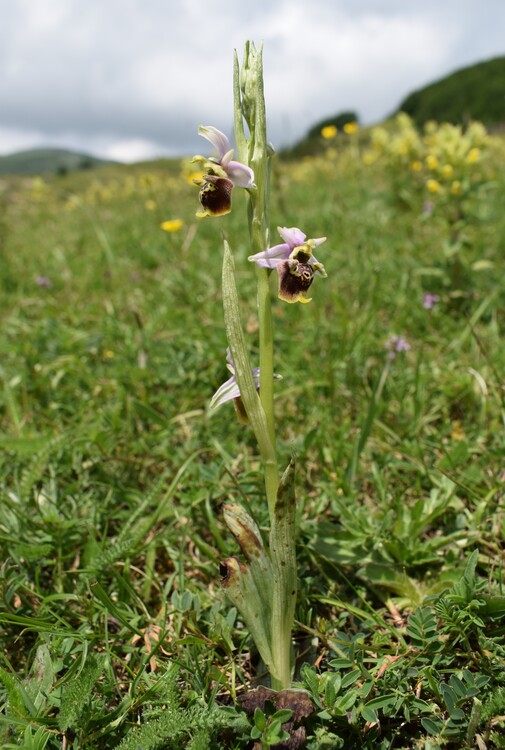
264	588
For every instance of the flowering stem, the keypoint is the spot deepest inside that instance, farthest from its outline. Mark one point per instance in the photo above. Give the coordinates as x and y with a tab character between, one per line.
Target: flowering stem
249	105
266	381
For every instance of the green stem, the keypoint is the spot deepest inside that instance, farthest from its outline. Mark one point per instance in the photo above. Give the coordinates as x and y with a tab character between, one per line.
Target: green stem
284	578
267	381
259	218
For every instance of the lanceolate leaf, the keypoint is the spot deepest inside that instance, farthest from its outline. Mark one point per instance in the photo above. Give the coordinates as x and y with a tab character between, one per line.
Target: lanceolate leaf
243	371
248	536
282	552
238	582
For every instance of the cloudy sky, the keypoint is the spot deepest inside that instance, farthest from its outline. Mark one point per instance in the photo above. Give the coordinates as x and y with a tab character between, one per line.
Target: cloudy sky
133	79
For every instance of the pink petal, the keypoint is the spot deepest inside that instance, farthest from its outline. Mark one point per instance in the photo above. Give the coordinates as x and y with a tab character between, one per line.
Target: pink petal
239	174
292	236
218	139
272	257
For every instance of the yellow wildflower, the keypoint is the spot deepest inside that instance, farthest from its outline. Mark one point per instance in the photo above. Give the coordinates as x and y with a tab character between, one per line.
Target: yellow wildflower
379	137
171	225
447	170
473	155
194	178
456	187
430	127
351	127
329	132
416	166
433	186
431	161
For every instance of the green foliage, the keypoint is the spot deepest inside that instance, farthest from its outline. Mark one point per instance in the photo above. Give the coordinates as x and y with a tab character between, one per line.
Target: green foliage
32	740
471	93
268	730
382	691
167	724
77	692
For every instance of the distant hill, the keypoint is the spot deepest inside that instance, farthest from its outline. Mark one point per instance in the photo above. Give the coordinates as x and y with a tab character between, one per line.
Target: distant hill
46	161
473	93
311	143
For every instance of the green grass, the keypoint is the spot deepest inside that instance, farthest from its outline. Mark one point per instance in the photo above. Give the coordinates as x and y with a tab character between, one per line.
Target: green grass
113	627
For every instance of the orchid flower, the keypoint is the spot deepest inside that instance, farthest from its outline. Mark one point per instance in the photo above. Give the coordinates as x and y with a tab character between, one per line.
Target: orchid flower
229	390
222	174
294	262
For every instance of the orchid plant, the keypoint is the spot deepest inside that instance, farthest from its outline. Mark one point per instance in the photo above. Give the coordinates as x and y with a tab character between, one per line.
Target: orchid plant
264	588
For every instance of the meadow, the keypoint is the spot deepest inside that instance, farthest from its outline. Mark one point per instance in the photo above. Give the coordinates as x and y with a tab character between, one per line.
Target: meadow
114	629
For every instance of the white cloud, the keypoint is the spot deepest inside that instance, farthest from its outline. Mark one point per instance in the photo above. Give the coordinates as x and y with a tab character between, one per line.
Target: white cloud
321	61
132	150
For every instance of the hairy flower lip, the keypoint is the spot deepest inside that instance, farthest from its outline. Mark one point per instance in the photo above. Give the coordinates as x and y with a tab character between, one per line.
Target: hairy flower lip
295	278
215	195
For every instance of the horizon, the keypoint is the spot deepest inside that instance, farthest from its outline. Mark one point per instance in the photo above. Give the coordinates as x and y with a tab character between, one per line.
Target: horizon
179	155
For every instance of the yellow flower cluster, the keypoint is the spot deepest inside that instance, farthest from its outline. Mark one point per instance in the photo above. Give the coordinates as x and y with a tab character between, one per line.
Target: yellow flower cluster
329	132
445	159
146	187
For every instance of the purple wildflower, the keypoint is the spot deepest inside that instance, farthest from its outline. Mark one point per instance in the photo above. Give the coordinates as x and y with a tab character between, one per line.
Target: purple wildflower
430	300
395	345
44	282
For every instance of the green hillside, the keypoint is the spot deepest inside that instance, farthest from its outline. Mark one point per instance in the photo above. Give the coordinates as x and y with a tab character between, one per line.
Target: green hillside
46	161
473	93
